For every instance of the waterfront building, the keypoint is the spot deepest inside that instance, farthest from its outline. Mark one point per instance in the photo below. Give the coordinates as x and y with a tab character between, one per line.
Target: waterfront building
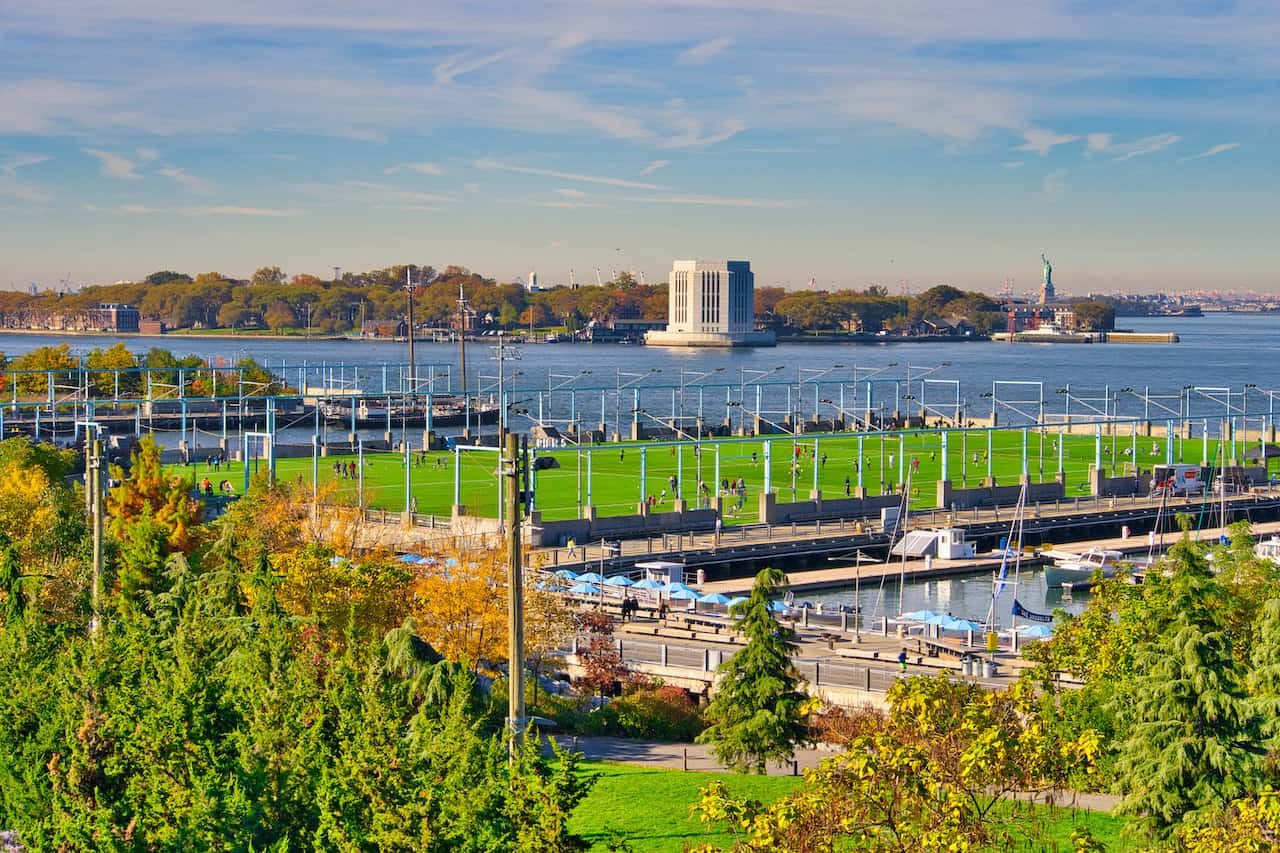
710	304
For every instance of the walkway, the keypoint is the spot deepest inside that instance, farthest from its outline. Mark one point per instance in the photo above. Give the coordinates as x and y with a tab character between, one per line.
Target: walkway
697	757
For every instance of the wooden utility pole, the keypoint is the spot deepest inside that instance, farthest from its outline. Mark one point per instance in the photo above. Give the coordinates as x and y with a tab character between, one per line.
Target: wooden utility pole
515	601
93	484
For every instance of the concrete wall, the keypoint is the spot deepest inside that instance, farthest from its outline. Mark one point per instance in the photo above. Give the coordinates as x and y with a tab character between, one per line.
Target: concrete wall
1119	487
990	494
590	528
772	512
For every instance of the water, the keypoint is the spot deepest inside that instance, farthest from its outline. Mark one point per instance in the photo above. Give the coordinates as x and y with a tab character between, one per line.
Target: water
1216	350
967	596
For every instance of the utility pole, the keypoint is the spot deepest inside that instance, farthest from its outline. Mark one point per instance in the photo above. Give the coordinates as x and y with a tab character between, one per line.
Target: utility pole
93	468
410	288
515	602
462	351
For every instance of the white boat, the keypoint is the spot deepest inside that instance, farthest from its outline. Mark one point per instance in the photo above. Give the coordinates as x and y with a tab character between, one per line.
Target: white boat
1079	570
1268	549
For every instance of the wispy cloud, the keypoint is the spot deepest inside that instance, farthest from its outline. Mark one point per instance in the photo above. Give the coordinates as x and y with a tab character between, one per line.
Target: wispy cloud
191	182
115	165
1042	141
566	205
1212	152
714	201
447	71
1097	142
704	52
1054	185
1014	164
374	192
1143	147
655	166
420	168
571	193
489	164
198	210
11	165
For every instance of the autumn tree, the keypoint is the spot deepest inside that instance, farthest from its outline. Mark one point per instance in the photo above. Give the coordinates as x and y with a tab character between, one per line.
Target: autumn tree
459	603
147	490
757	714
928	776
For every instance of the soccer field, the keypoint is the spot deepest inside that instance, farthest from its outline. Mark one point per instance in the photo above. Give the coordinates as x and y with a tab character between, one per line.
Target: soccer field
609	475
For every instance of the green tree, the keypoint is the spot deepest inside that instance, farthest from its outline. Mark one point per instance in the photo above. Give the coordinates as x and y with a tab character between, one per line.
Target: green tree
1193	741
268	276
1264	677
1095	314
109	361
151	493
757	714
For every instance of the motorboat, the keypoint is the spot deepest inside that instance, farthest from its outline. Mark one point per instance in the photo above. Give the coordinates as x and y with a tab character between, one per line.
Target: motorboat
1268	549
1078	571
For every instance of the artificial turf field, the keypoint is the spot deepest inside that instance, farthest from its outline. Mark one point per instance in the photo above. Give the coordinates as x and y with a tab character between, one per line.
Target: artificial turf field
615	487
649	809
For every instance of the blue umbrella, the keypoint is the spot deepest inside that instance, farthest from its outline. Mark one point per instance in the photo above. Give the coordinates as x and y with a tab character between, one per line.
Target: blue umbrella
584	589
713	598
734	602
919	616
408	558
590	577
567	575
961	625
683	595
777	606
676	586
619	580
938	619
1038	632
649	583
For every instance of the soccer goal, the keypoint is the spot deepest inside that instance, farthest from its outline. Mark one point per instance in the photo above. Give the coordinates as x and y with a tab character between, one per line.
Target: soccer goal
259	447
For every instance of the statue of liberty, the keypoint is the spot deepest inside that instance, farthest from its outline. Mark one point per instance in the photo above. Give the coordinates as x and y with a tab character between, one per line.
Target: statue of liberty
1048	271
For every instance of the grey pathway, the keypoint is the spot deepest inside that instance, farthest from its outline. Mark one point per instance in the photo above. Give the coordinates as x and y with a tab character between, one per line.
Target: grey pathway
698	757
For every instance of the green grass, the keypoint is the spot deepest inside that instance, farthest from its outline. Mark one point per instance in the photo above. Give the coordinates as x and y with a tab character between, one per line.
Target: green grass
649	808
615	471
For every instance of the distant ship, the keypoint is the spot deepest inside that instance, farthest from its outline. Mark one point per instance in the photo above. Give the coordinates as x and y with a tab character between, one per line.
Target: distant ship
447	412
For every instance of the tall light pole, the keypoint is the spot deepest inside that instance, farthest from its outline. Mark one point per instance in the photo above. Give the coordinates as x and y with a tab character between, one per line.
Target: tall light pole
462	357
410	288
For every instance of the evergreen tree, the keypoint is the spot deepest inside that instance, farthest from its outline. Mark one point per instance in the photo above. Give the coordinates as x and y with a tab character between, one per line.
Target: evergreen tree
757	713
1193	740
1264	678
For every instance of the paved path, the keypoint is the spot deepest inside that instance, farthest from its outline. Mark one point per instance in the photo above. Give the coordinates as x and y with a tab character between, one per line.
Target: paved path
698	757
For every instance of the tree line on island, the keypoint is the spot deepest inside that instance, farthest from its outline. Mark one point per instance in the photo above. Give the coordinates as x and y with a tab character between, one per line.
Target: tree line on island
272	300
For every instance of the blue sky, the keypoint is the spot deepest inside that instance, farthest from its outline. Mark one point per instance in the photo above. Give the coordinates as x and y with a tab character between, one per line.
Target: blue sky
904	143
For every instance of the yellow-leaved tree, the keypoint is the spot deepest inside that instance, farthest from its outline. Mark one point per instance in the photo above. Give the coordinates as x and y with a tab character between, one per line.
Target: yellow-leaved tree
460	608
148	490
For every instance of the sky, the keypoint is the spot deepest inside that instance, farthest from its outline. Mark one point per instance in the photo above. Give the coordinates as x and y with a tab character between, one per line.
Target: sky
905	143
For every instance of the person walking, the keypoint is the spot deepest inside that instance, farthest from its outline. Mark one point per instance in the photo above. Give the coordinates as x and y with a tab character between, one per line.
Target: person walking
902	659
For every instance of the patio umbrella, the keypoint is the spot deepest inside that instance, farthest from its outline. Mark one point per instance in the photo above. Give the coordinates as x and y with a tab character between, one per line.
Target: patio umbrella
918	616
584	589
676	586
590	577
777	606
713	598
940	619
567	575
619	580
649	583
734	602
953	624
683	595
1038	632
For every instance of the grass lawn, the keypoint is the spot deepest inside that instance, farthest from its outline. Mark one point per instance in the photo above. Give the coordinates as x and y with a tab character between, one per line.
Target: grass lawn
614	484
649	809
